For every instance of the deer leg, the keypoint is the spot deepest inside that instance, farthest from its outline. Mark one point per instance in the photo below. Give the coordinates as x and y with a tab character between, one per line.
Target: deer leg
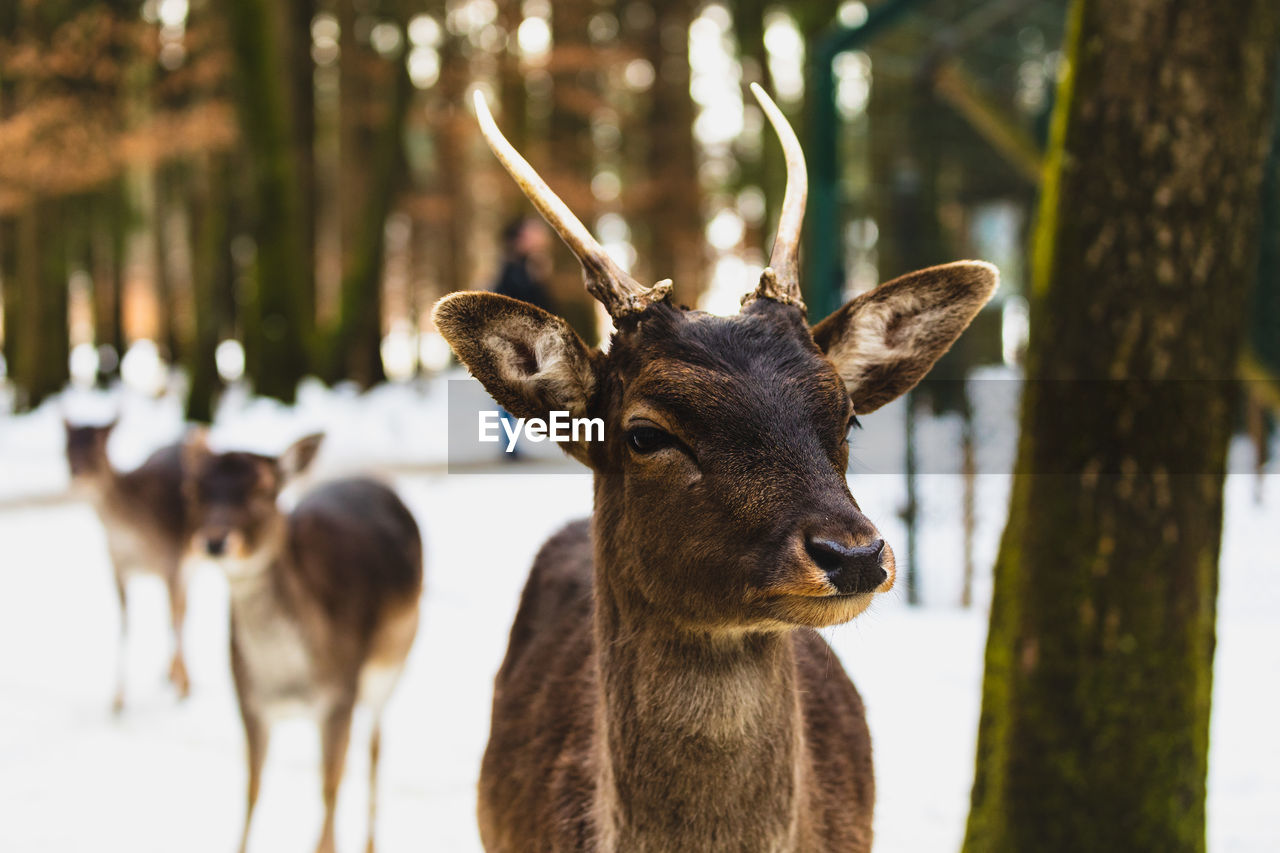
178	614
335	733
122	642
375	750
256	736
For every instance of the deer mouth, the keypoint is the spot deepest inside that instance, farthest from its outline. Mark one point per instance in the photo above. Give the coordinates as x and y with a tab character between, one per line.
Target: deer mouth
820	611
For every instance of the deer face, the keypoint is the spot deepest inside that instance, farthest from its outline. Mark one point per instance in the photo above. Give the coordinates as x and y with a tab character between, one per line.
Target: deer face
724	465
231	498
87	451
721	497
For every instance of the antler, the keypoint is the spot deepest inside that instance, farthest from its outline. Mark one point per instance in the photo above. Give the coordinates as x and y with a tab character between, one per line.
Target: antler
620	294
780	281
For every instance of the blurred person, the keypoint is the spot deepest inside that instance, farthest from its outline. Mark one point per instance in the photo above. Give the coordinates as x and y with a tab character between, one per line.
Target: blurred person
526	249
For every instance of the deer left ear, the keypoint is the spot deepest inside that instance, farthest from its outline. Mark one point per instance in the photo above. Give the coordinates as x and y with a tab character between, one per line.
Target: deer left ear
530	361
883	342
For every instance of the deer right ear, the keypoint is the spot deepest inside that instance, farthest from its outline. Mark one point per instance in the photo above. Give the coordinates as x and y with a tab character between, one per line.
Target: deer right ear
195	449
530	361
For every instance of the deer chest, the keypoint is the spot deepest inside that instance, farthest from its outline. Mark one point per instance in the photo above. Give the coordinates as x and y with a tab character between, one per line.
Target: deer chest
277	667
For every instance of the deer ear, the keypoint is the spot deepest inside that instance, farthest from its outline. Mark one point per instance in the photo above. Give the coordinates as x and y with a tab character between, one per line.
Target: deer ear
883	342
195	449
530	361
298	457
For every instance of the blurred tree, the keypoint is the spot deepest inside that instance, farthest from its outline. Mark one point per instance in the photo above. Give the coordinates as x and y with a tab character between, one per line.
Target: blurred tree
211	271
677	246
373	121
109	215
768	170
453	131
279	333
576	96
1095	714
298	18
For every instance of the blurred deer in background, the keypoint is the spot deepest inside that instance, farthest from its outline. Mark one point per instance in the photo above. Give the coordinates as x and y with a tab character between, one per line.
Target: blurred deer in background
664	688
145	521
324	600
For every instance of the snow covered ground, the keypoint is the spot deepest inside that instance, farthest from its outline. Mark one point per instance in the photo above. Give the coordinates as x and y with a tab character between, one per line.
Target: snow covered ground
167	776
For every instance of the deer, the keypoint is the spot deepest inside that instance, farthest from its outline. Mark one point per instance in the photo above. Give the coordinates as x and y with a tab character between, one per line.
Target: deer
664	686
143	515
323	601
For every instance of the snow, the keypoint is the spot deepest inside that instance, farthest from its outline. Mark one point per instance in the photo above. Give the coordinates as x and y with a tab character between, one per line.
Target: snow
167	775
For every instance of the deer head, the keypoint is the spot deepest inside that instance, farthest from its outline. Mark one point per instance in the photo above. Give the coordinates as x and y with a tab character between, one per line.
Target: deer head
231	498
87	450
721	496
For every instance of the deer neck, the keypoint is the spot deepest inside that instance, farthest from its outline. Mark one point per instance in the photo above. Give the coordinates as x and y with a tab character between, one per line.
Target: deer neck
699	734
104	490
255	582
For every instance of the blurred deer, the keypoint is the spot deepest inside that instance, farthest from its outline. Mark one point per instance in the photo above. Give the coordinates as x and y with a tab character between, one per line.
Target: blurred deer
145	522
324	600
664	688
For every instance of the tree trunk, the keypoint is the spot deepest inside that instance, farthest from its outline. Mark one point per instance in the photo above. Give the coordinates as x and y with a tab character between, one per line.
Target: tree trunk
282	325
162	179
677	245
570	148
359	339
9	290
452	126
769	171
210	266
40	332
108	225
298	21
1095	712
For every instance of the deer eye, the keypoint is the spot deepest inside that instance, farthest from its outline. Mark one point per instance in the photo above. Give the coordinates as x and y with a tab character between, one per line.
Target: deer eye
647	439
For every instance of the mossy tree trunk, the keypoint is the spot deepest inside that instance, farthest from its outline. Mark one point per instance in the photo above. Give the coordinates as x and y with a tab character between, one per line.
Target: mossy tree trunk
1095	710
281	329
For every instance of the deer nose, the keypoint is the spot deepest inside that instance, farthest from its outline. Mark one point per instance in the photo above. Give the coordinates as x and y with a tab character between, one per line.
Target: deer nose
851	569
216	546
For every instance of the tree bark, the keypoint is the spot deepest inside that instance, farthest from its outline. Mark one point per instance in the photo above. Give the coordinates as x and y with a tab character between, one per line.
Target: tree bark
1095	711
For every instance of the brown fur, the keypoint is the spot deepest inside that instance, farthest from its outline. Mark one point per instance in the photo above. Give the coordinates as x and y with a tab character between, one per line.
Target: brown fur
324	601
144	518
663	688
